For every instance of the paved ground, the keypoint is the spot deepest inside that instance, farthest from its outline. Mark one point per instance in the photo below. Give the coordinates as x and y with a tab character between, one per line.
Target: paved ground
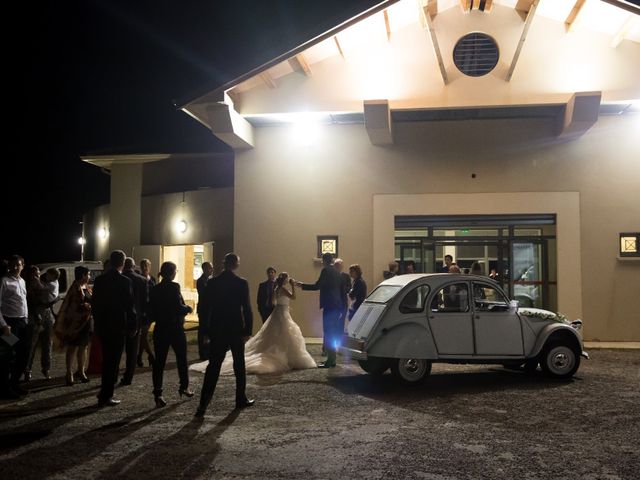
466	422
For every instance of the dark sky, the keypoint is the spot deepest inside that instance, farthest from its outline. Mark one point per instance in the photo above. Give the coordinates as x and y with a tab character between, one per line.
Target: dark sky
100	77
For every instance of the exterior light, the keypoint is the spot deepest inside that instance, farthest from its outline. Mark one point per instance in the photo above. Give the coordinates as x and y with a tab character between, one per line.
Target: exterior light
181	226
629	245
102	233
81	241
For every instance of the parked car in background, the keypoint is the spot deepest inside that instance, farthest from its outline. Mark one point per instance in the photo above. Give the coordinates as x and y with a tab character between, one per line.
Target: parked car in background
411	321
67	275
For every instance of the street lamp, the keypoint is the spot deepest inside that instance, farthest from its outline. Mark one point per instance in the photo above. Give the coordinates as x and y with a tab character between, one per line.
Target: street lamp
81	242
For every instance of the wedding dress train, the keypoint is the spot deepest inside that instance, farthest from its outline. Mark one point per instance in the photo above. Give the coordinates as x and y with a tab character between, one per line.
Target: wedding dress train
278	347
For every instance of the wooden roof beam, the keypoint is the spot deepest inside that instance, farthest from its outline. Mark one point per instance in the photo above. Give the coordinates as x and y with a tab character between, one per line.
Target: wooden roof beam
570	22
523	7
268	80
386	25
299	64
335	39
377	121
523	37
465	5
432	8
622	32
428	21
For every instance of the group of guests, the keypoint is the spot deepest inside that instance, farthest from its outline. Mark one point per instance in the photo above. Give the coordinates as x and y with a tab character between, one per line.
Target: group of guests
449	266
115	316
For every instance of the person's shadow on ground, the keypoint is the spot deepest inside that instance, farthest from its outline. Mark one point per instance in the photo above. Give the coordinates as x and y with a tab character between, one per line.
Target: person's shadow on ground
185	454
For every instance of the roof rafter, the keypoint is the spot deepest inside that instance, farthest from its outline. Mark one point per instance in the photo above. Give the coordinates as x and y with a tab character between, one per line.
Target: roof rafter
267	79
299	64
428	21
527	23
570	22
523	7
335	39
386	24
622	32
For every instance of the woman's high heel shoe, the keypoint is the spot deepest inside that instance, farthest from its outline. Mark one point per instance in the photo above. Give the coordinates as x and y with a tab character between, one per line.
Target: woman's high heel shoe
160	402
68	379
83	378
186	392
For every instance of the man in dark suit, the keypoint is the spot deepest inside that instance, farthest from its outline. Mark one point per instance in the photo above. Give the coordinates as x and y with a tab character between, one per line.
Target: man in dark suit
265	294
345	287
331	304
115	319
201	284
230	323
140	296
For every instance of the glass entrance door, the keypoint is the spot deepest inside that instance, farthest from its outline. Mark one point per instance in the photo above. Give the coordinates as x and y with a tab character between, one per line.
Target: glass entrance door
529	286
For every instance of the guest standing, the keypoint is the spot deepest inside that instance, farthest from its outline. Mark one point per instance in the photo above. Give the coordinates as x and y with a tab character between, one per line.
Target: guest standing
168	309
201	285
146	320
345	287
14	319
140	296
74	326
331	303
230	323
358	291
115	319
265	294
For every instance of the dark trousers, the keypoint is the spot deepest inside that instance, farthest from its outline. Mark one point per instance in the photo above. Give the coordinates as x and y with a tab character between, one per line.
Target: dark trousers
40	335
219	347
166	336
131	349
265	312
203	343
331	331
20	329
112	347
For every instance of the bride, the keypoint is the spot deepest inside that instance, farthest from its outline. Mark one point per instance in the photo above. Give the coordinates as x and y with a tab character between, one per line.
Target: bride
279	345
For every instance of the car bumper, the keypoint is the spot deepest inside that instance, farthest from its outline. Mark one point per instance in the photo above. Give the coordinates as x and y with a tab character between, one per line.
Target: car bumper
353	353
585	355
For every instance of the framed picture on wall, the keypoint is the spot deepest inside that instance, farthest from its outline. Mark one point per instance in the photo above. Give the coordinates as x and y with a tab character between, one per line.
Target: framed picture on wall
327	244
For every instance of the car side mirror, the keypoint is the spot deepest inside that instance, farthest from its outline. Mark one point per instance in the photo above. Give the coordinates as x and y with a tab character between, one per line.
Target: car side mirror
514	304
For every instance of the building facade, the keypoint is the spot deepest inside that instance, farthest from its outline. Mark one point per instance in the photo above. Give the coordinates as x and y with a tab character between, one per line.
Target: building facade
372	138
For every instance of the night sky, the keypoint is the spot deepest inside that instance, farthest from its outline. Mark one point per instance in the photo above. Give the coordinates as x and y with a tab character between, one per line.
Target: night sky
101	77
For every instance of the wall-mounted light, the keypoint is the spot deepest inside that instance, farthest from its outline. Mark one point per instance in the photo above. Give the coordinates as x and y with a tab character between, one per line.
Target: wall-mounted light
82	240
629	245
102	233
181	226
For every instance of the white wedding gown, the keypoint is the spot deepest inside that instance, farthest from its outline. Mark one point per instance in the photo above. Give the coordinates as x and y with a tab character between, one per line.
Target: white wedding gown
278	346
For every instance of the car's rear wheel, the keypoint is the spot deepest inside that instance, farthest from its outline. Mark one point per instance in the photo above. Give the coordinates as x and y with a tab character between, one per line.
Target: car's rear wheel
560	360
411	370
375	366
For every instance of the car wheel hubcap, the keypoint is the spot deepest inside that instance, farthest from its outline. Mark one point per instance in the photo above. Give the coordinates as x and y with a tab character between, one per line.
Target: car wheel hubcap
413	369
561	360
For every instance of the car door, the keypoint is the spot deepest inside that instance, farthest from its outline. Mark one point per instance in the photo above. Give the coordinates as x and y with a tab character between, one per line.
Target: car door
498	330
450	320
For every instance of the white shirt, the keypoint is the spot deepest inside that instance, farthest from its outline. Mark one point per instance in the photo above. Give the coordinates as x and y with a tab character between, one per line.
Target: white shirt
13	298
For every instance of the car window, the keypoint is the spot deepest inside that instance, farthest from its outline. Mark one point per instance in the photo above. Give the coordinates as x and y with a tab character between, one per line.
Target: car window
488	299
413	302
452	298
383	293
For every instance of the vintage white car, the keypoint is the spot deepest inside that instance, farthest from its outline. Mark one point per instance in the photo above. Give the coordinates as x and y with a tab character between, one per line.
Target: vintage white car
410	321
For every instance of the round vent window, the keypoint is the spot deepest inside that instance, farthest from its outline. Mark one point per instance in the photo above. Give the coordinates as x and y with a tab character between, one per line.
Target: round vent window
476	54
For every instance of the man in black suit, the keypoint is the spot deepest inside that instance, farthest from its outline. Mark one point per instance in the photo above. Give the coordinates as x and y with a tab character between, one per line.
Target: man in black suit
201	285
345	287
230	323
331	304
265	294
140	296
115	319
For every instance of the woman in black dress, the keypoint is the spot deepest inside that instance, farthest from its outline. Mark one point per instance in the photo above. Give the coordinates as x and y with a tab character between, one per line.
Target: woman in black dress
358	291
168	309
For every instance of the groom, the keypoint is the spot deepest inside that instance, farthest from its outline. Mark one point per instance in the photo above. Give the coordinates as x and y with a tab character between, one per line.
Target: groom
331	305
229	322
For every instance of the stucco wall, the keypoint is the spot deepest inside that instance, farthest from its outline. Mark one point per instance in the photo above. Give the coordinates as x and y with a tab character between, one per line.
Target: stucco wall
287	193
208	213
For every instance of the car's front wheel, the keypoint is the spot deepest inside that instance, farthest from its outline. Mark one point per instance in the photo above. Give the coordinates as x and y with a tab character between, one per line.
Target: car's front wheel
560	360
374	366
411	370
